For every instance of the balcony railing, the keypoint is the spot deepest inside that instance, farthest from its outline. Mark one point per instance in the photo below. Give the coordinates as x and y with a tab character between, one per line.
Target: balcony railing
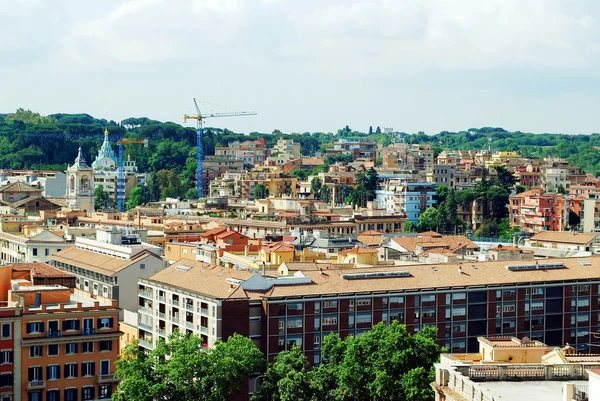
145	310
174	319
203	330
161	315
189	307
161	298
145	326
103	379
36	385
174	302
161	332
189	325
204	312
145	342
146	294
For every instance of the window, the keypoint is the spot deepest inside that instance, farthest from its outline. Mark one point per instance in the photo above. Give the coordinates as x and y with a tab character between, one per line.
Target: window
105	367
53	372
35	374
508	308
459	328
71	394
88	346
88	369
70	348
105	291
363	318
294	323
539	305
70	370
70	325
142	266
53	395
329	321
87	393
104	391
317	307
460	311
428	298
35	396
52	349
429	313
510	293
329	304
88	326
6	356
35	351
34	251
35	327
6	380
46	252
6	330
363	302
105	323
294	307
105	345
459	296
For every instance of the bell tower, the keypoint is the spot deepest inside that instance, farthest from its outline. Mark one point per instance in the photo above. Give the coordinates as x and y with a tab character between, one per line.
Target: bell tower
80	185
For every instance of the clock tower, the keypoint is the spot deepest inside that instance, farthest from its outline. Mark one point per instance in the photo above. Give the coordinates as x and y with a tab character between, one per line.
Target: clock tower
80	185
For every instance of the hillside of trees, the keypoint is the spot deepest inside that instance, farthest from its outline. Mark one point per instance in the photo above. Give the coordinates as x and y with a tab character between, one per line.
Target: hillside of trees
31	141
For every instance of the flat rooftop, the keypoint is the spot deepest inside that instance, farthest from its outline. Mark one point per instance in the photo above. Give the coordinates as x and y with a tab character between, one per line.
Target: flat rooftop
528	390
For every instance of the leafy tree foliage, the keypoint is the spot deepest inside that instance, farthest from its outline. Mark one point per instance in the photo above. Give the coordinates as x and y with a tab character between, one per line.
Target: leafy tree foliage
364	187
386	363
260	191
325	194
103	200
136	198
315	187
429	219
182	369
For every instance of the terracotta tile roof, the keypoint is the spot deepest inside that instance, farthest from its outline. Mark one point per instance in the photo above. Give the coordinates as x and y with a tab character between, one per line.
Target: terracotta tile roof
41	270
312	161
371	240
214	231
446	275
229	234
429	234
19	186
450	241
371	232
203	278
357	250
278	247
440	251
97	262
566	237
287	214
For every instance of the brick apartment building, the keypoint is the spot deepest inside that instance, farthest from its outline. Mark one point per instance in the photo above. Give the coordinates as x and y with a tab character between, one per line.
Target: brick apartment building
57	343
551	301
535	211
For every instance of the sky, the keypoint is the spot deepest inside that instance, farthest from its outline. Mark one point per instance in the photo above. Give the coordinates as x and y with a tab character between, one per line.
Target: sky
309	65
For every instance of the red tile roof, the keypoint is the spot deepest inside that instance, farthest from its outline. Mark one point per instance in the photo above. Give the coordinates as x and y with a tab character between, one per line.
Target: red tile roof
40	270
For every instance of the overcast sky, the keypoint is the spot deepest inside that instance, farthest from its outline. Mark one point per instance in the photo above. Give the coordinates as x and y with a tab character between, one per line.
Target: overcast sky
309	65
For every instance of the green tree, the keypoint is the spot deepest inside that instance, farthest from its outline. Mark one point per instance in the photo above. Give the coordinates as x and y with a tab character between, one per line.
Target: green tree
315	187
410	227
429	219
288	378
325	194
261	191
102	199
448	213
136	198
520	188
372	179
561	189
489	228
361	193
182	369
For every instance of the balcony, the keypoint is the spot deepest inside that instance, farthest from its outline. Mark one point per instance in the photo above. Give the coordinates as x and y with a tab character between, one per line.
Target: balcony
204	312
161	315
161	298
105	379
189	307
145	294
145	310
145	342
174	319
174	302
203	330
145	326
36	385
161	332
189	325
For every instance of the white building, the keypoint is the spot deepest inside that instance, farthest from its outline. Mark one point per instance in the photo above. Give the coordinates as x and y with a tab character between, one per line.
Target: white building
412	198
110	265
80	190
39	247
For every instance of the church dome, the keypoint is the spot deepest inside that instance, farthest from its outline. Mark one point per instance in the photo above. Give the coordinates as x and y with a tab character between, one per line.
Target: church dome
106	158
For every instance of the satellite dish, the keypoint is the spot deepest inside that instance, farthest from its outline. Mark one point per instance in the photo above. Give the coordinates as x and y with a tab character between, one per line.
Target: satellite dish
15	287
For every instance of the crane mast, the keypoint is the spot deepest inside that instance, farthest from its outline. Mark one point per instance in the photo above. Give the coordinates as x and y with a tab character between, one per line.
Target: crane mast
200	140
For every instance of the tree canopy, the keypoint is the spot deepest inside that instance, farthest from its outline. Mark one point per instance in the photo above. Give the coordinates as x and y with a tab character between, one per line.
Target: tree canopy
182	369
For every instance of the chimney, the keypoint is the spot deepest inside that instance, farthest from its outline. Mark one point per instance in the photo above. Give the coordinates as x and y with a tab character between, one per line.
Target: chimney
264	268
246	250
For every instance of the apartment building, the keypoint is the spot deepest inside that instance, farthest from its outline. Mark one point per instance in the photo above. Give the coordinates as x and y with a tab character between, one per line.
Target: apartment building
443	174
285	150
65	343
554	301
181	297
535	211
52	183
23	241
402	196
361	149
249	152
276	182
110	265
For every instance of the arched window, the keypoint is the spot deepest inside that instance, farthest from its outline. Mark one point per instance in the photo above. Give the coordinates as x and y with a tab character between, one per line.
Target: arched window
72	184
